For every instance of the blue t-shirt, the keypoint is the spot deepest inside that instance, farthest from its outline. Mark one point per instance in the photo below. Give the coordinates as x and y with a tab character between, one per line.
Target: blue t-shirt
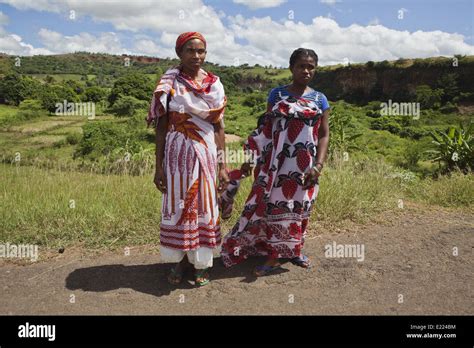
314	96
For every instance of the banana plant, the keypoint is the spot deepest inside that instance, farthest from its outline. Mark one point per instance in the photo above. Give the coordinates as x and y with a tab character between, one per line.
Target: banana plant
454	147
342	134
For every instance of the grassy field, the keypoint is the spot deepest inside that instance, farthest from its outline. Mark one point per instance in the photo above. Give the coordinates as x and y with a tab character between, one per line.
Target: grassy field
55	208
50	199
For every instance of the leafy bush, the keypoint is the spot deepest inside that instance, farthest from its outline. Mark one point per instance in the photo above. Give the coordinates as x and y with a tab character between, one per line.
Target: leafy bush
342	133
254	99
134	85
448	108
15	88
30	105
128	106
449	85
52	95
73	138
427	97
454	148
373	114
101	138
94	94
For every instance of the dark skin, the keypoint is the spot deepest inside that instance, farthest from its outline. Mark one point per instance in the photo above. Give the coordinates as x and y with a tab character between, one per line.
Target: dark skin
192	56
303	71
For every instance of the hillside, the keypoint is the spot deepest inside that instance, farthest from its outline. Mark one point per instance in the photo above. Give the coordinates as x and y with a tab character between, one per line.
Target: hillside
355	83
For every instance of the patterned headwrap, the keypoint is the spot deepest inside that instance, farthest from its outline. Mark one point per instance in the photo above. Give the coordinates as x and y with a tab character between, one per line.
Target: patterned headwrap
185	37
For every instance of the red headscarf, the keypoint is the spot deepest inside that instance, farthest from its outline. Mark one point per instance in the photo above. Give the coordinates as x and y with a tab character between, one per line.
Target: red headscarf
185	37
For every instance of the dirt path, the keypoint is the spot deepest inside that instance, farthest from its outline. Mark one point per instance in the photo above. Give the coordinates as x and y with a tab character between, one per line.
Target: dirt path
412	257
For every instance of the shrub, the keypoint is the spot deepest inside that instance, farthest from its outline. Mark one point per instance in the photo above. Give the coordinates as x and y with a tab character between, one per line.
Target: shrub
101	138
427	97
128	106
94	94
454	148
134	85
448	108
30	105
73	138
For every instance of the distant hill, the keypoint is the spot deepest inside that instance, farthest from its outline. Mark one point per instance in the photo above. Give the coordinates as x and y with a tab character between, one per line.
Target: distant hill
396	80
357	83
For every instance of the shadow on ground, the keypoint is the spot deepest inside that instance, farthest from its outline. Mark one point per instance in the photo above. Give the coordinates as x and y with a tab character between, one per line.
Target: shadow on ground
151	279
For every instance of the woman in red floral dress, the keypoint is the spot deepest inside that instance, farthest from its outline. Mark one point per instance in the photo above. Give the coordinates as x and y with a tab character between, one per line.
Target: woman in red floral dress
291	144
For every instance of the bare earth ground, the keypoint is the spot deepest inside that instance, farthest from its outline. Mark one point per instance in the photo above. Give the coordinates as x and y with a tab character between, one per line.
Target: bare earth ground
411	256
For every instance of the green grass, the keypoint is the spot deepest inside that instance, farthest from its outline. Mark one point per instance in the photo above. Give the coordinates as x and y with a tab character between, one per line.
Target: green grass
7	111
119	210
108	209
456	190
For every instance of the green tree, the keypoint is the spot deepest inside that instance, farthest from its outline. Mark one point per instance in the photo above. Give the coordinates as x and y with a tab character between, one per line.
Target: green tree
134	85
427	97
74	85
128	106
449	84
94	94
51	95
14	88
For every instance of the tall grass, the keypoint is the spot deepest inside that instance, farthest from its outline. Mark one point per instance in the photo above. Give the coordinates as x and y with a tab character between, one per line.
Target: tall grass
453	190
55	208
357	190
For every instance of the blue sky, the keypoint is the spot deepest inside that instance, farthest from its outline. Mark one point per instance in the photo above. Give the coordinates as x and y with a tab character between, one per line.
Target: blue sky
26	28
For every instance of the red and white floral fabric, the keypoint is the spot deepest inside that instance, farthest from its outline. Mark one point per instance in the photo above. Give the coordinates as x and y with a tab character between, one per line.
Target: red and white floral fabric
275	216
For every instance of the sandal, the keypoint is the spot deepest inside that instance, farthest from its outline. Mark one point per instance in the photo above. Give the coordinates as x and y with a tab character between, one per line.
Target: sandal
264	270
177	272
301	261
201	277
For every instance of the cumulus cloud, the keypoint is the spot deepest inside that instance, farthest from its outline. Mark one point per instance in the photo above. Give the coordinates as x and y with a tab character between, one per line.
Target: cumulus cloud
105	42
13	44
333	42
241	40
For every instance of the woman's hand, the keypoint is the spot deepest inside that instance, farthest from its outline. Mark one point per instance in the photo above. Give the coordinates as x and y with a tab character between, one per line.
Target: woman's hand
223	180
311	177
160	179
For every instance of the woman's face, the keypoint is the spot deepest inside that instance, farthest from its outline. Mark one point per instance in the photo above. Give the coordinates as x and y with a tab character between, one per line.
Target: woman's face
303	70
193	54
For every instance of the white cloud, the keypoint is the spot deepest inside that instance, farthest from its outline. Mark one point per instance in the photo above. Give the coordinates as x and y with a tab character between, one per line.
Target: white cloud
244	40
105	42
147	47
257	4
333	42
13	44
